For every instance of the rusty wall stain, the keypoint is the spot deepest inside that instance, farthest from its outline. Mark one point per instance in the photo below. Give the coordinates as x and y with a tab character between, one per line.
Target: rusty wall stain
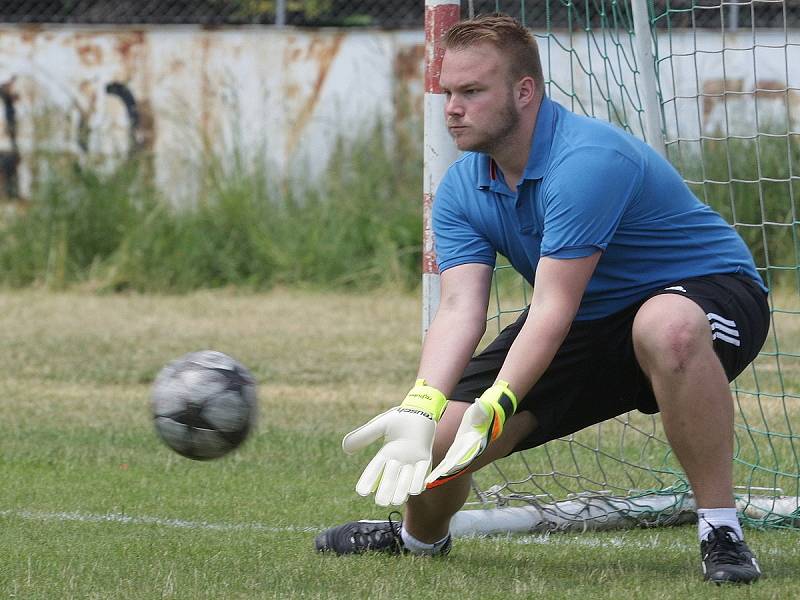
321	51
716	92
794	104
128	41
90	55
769	89
147	130
29	33
408	63
293	55
130	48
292	91
408	73
177	65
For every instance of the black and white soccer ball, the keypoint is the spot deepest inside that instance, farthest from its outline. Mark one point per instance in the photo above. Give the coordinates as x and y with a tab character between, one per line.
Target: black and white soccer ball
204	404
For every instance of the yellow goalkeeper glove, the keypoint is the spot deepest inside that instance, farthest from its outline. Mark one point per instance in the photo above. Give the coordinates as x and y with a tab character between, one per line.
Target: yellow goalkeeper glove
400	467
481	424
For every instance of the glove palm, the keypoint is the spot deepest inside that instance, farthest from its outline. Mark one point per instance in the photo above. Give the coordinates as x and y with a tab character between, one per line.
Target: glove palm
400	466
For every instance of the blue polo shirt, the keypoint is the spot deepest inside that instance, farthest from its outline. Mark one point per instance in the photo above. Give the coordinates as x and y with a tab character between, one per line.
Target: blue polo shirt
587	186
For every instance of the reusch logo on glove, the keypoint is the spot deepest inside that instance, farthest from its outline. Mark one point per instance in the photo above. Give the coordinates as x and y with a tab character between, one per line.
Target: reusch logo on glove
415	411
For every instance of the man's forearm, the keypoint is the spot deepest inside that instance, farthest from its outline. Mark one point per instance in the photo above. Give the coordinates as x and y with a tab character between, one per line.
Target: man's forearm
556	297
533	350
449	345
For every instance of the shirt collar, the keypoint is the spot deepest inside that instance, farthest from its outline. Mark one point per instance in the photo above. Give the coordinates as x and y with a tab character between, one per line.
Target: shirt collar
538	156
487	171
542	141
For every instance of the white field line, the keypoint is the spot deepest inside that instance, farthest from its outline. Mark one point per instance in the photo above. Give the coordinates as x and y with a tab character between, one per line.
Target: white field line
125	519
542	539
119	518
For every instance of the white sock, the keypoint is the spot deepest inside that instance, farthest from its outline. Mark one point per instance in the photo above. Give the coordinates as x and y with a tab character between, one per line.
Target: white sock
419	548
706	517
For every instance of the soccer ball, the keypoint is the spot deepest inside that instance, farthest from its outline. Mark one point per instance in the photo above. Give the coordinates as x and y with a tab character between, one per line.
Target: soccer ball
204	404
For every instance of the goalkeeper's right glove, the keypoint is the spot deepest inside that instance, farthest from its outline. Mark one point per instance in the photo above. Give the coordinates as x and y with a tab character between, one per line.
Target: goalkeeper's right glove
481	424
400	467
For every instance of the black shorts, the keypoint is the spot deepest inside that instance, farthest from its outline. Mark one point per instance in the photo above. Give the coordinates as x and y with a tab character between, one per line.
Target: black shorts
594	376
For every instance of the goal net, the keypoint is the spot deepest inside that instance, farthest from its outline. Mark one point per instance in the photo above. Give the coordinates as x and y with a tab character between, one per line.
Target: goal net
709	84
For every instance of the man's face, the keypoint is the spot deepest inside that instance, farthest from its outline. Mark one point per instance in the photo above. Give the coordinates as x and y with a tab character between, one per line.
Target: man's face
480	109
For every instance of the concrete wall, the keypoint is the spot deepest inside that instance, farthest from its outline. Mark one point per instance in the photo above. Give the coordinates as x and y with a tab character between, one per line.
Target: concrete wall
284	95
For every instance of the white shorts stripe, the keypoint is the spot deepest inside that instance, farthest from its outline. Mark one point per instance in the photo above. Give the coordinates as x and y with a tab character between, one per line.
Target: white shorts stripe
722	328
721	336
723	320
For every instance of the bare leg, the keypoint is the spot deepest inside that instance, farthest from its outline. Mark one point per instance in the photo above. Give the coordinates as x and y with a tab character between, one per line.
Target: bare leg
672	340
428	515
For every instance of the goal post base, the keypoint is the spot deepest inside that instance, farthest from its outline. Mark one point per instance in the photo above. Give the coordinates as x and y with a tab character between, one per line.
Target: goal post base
591	512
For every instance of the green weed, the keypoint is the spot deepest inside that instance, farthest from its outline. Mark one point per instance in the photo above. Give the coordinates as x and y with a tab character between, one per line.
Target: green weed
360	228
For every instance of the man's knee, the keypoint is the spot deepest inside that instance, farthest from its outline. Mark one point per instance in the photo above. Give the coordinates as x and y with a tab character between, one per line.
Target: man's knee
669	332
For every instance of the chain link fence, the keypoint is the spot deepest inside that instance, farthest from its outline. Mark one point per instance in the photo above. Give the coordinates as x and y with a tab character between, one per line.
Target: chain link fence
393	14
305	13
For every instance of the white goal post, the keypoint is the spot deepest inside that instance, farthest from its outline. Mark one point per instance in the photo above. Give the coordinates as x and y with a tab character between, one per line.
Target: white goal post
654	72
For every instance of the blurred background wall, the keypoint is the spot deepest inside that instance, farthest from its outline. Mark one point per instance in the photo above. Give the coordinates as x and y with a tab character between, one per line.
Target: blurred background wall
181	80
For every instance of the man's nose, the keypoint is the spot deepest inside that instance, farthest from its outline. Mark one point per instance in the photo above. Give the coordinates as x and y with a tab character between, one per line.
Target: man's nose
453	106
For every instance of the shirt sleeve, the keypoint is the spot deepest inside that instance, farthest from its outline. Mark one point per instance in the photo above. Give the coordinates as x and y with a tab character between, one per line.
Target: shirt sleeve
585	201
457	238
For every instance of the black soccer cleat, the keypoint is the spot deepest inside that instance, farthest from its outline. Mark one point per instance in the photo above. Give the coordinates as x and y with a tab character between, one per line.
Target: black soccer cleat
727	559
358	537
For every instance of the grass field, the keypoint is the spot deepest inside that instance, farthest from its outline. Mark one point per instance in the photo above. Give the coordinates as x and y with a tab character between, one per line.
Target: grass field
93	506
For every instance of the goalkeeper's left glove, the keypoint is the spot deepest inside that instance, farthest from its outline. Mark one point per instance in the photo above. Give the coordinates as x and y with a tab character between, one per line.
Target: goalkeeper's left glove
481	424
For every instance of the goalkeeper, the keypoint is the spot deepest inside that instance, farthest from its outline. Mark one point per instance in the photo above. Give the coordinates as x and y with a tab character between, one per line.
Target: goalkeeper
643	298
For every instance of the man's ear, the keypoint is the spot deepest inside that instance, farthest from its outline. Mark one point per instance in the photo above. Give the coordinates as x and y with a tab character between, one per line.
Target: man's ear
525	91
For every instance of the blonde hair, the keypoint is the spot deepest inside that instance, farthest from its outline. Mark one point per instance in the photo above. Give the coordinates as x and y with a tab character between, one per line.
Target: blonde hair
506	34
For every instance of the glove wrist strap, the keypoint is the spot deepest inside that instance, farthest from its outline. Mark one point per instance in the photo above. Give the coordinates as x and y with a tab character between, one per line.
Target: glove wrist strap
500	395
426	399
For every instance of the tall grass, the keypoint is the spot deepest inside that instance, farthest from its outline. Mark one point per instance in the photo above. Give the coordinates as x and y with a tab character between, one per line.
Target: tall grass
75	221
360	228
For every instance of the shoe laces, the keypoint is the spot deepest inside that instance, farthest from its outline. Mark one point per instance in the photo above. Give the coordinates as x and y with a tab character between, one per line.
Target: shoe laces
395	524
723	546
374	534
